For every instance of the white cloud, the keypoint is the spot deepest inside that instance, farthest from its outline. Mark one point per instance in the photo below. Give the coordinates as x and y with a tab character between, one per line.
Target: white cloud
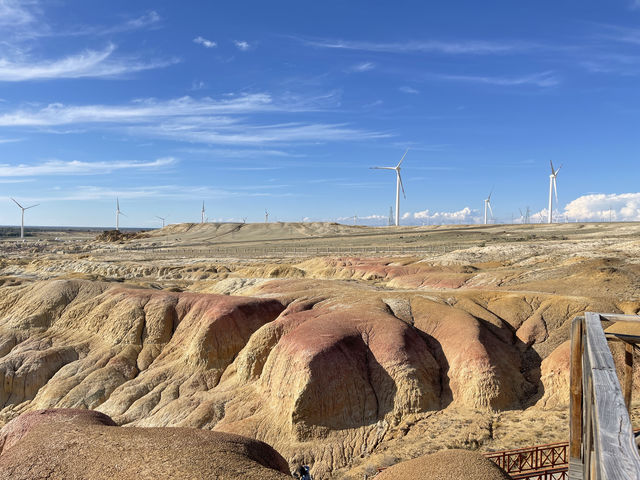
10	140
203	120
204	42
425	217
409	90
149	19
182	192
599	207
59	167
242	45
14	13
138	111
428	46
363	67
197	85
464	216
230	132
543	79
90	63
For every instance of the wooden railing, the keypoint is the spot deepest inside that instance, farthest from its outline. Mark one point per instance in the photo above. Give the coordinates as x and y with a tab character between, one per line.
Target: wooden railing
531	460
601	444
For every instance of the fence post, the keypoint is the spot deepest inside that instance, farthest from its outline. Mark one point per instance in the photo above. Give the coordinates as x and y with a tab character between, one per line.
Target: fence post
575	407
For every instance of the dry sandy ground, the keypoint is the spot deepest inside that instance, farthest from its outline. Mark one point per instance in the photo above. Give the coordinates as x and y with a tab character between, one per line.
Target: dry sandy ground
519	284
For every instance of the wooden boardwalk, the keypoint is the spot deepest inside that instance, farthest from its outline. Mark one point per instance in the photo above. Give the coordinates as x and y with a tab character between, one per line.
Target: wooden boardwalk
601	444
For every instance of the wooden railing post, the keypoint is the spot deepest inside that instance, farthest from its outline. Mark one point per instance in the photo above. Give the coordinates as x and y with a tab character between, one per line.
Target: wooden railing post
575	408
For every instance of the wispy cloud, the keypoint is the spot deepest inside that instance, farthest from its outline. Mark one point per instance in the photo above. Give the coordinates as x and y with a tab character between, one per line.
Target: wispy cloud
621	34
543	79
90	63
177	192
200	120
14	13
363	67
204	42
233	132
141	110
75	167
409	90
466	47
242	45
10	140
239	152
148	20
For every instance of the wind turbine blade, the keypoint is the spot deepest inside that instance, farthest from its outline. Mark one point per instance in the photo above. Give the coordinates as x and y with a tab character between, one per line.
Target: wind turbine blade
402	159
117	204
490	193
490	209
552	169
401	185
521	214
382	168
27	208
556	173
555	189
16	202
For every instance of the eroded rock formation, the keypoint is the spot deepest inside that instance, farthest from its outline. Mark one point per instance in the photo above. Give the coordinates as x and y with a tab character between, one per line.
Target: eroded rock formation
68	444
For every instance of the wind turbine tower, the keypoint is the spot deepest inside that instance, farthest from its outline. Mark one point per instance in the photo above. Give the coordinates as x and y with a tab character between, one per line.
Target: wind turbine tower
487	203
22	221
266	216
202	213
553	187
398	184
118	213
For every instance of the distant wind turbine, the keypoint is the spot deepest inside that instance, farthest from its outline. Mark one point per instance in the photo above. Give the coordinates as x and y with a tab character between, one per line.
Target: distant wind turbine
487	203
553	187
202	213
23	209
398	185
266	216
118	213
161	218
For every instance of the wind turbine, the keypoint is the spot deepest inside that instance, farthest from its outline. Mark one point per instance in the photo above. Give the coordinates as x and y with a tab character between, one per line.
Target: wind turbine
202	213
398	185
161	218
266	216
487	203
552	186
118	213
23	209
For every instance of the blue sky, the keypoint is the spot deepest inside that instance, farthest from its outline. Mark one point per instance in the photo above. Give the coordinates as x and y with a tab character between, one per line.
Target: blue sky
285	105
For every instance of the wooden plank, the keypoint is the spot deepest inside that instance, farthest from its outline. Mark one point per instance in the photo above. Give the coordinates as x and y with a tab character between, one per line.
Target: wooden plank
575	407
616	454
619	317
575	469
623	337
